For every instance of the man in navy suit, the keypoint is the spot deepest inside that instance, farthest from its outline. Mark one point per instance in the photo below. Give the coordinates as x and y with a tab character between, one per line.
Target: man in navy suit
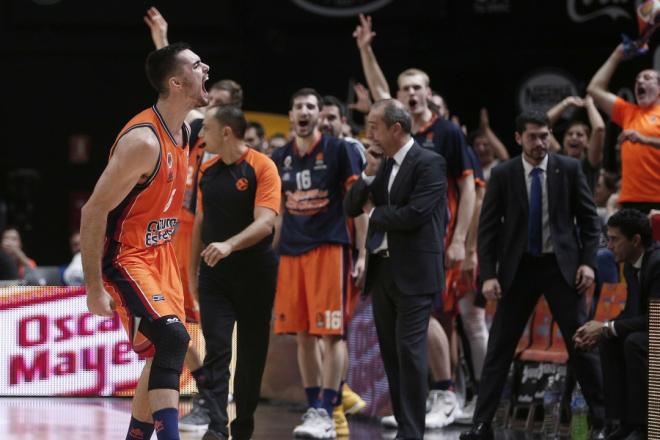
624	341
538	235
405	198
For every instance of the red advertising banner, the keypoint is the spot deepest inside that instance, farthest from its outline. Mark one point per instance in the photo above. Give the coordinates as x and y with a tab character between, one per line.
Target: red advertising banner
50	345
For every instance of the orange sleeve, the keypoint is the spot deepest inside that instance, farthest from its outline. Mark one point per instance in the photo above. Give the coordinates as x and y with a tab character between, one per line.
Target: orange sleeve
621	111
350	181
269	185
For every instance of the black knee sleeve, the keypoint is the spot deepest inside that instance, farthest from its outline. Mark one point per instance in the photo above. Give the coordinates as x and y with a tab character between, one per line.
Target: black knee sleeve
171	339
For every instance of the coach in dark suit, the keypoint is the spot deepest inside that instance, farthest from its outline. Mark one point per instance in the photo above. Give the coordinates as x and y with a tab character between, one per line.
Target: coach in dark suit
624	341
538	235
405	198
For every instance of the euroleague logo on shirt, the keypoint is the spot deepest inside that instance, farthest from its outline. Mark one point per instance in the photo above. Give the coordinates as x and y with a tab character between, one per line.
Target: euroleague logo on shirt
242	184
319	164
428	142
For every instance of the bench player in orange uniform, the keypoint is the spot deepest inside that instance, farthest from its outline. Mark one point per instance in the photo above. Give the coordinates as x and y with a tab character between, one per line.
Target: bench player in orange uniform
313	278
127	225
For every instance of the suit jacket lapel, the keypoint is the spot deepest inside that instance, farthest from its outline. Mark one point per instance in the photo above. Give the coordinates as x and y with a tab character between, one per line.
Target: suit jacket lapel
520	184
405	169
553	180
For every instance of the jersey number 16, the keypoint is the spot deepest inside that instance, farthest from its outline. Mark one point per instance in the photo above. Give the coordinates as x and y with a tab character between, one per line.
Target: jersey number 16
304	180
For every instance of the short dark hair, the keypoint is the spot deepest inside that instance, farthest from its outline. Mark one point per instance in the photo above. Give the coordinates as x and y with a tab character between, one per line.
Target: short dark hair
394	112
531	117
278	135
329	100
233	88
257	127
161	63
232	117
576	121
631	222
307	91
474	134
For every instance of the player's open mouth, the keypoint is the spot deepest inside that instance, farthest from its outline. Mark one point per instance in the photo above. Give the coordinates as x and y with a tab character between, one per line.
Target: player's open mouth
303	124
412	103
204	91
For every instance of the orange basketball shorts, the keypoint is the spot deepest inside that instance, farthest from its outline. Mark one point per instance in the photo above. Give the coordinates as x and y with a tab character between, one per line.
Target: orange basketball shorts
182	243
312	291
144	284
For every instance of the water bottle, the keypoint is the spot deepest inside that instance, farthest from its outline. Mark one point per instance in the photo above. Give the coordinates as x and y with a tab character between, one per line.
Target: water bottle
551	408
579	425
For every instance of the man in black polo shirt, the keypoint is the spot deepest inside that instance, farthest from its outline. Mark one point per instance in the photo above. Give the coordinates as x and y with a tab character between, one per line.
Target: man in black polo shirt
238	201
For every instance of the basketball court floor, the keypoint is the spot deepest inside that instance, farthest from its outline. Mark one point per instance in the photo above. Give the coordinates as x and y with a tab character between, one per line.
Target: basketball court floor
106	419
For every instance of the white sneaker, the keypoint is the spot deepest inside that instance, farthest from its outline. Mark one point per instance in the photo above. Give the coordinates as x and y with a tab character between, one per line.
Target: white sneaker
464	415
317	424
389	422
444	406
198	418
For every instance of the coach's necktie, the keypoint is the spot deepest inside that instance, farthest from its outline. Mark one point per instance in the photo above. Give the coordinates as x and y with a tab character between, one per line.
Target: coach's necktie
376	238
535	227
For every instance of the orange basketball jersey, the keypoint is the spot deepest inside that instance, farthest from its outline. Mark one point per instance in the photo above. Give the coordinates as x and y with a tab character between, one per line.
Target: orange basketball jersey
149	214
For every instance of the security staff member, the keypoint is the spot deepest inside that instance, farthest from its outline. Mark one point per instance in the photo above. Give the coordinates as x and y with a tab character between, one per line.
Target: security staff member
238	201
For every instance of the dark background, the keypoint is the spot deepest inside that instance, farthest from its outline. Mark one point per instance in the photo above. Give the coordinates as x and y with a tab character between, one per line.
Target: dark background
77	67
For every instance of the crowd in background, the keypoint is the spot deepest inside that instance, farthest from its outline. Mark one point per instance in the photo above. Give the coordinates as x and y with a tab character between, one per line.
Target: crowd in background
579	131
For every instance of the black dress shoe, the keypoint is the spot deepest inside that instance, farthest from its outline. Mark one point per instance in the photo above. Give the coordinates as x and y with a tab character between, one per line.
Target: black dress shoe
479	431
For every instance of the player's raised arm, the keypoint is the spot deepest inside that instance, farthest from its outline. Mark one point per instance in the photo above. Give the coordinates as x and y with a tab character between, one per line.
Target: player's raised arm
157	26
364	35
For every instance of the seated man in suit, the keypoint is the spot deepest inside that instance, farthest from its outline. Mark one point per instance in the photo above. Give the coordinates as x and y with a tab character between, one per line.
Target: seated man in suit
624	343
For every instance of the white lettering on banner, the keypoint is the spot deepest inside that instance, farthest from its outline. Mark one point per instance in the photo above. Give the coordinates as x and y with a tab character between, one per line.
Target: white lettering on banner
58	347
545	88
598	8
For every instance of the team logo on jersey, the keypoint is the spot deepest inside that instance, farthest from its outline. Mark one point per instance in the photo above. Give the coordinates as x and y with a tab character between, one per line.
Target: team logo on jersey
320	320
170	160
242	184
428	142
319	164
287	162
653	119
286	176
158	297
160	231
